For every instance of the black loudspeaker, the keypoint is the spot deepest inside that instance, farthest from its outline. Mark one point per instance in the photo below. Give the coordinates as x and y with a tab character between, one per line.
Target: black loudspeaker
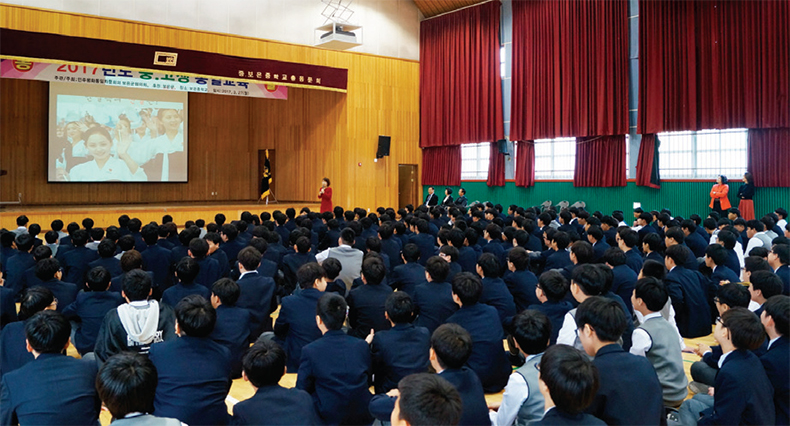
502	144
384	147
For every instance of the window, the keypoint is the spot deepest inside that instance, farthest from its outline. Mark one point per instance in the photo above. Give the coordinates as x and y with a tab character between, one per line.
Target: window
702	155
502	67
555	158
474	161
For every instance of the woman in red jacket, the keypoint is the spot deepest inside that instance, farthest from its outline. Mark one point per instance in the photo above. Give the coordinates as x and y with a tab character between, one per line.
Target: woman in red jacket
325	195
718	195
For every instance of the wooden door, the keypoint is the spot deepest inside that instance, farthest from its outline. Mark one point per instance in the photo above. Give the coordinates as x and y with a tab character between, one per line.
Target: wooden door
407	185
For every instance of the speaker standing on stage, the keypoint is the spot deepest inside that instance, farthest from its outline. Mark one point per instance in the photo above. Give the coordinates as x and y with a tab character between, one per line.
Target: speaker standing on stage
325	195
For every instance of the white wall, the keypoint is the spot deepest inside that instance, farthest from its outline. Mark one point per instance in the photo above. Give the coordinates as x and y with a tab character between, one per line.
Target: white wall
390	27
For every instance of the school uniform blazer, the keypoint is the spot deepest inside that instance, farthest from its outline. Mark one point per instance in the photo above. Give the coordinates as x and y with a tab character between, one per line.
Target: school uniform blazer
406	277
276	405
335	370
557	260
629	392
52	389
296	324
777	366
555	311
6	253
467	258
156	259
257	296
426	244
90	308
15	271
654	255
194	379
13	351
599	248
496	294
391	247
275	253
521	285
139	243
488	357
366	309
75	264
222	259
66	293
689	295
7	307
330	239
433	304
555	417
475	409
623	284
784	273
112	264
398	352
723	273
209	272
634	260
744	394
696	244
292	263
116	284
461	201
232	249
174	294
649	229
232	330
497	248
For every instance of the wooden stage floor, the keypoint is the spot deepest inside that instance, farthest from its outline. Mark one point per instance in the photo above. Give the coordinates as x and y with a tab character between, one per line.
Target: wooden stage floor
106	215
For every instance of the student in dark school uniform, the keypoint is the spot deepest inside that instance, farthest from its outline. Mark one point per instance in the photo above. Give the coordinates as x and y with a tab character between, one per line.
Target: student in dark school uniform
332	267
551	290
232	328
406	277
426	399
366	303
433	299
339	389
257	292
520	281
107	259
495	291
90	308
13	351
49	272
187	270
776	320
76	260
292	262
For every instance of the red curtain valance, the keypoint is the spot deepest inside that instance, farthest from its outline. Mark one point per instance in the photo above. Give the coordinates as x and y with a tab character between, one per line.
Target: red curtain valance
441	166
769	157
460	85
570	70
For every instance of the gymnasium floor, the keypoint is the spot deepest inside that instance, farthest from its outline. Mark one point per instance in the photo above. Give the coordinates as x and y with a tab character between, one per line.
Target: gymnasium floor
241	390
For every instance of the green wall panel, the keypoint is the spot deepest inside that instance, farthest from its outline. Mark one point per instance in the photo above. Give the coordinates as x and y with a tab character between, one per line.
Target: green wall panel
683	198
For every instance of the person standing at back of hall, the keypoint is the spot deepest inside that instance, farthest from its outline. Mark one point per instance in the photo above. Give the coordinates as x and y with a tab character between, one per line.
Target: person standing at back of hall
325	195
718	195
746	196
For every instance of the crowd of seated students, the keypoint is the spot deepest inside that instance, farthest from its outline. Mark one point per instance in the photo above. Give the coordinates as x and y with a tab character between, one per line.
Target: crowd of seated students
594	312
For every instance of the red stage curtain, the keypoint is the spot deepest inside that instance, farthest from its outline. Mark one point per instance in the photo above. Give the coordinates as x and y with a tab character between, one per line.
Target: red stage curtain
570	70
713	64
600	161
769	157
525	163
441	166
647	164
496	167
460	85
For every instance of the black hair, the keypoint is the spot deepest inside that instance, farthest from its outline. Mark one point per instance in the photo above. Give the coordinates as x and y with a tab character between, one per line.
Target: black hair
373	270
79	238
24	242
653	241
98	278
438	269
126	242
34	300
589	279
452	344
331	308
450	251
348	236
230	231
653	293
57	225
583	251
629	236
226	290
399	307
717	253
554	285
679	254
595	232
655	269
769	283
489	263
614	256
42	252
727	238
756	225
309	273
746	331
196	316
47	332
187	270
126	383
411	253
131	260
467	287
519	258
198	247
570	376
778	308
782	251
532	331
264	363
604	316
137	285
51	237
332	267
562	240
47	268
428	399
733	295
250	258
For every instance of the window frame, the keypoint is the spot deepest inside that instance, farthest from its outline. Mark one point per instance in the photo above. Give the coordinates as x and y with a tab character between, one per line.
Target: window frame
695	171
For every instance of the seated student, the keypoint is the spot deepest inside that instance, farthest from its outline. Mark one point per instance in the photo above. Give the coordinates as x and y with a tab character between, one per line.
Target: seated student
295	324
231	245
522	401
551	290
75	261
451	347
627	240
12	340
688	291
716	260
693	240
7	305
232	328
466	240
126	384
657	340
407	276
630	392
54	388
106	250
779	259
559	258
401	350
194	371
90	309
339	389
292	262
568	382
433	299
762	286
587	281
209	270
137	324
257	292
735	259
49	272
743	393
332	268
624	277
51	239
450	255
214	240
187	270
488	358
422	238
596	238
520	281
426	399
495	291
775	319
264	366
653	247
267	269
16	266
29	278
366	303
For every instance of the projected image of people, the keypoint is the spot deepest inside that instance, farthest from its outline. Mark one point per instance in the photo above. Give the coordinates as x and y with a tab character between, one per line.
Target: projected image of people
101	139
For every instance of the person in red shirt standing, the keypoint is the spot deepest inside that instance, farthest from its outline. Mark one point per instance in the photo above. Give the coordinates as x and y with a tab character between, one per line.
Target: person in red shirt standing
325	195
718	195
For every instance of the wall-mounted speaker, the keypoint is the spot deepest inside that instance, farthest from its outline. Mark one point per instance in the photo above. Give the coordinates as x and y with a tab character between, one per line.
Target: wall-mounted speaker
384	147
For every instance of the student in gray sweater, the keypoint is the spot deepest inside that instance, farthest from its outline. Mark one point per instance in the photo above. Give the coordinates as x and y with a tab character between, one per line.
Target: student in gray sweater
657	340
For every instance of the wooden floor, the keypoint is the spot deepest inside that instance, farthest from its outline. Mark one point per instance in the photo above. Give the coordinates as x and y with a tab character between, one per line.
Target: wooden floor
106	215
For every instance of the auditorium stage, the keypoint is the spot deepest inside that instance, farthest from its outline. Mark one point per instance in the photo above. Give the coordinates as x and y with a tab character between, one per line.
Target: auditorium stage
106	215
